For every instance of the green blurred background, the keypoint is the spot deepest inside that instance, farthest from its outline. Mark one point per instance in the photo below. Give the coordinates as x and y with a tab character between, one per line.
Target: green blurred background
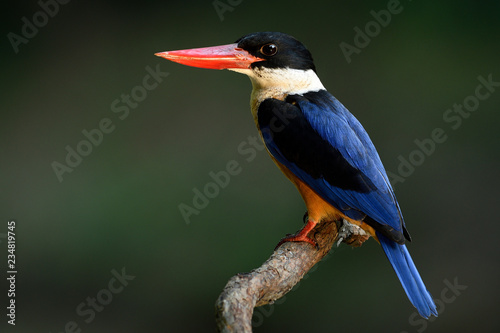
119	207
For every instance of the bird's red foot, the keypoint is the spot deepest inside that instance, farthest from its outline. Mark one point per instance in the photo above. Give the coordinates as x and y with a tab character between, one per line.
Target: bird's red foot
301	236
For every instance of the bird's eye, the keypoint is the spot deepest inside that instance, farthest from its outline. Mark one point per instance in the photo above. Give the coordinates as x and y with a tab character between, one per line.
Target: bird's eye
269	49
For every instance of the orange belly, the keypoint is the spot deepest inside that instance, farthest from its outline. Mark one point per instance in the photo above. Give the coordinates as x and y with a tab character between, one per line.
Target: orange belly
317	208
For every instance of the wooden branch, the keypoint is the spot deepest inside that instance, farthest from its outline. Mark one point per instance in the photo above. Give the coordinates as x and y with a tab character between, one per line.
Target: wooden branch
277	276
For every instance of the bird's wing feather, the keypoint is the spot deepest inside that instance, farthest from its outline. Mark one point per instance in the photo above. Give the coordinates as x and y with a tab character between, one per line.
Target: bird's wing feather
317	139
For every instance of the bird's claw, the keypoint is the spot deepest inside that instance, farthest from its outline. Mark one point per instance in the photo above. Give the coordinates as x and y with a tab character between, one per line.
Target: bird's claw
300	236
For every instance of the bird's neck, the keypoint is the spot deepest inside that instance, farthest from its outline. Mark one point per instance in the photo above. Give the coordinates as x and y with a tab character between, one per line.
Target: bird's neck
278	83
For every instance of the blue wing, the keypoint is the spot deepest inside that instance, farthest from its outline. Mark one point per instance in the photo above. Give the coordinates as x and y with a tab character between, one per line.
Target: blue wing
321	142
326	147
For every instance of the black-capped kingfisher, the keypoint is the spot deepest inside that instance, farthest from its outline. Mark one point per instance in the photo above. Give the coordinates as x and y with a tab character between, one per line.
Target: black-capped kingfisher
318	144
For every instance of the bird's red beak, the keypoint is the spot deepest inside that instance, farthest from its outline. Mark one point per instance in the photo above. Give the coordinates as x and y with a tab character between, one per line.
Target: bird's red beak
216	57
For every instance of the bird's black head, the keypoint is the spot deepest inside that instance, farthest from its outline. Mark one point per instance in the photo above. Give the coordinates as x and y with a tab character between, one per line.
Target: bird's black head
275	62
278	49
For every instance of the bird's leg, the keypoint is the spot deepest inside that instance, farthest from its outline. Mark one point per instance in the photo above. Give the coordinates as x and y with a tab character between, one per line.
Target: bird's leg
301	236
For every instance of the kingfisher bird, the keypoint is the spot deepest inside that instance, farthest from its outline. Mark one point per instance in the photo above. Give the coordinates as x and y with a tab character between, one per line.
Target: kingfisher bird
318	144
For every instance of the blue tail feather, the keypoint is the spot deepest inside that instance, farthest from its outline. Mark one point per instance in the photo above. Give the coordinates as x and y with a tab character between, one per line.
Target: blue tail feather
407	273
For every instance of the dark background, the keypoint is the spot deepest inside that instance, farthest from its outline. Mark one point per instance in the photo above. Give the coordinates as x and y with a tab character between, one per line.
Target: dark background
119	207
